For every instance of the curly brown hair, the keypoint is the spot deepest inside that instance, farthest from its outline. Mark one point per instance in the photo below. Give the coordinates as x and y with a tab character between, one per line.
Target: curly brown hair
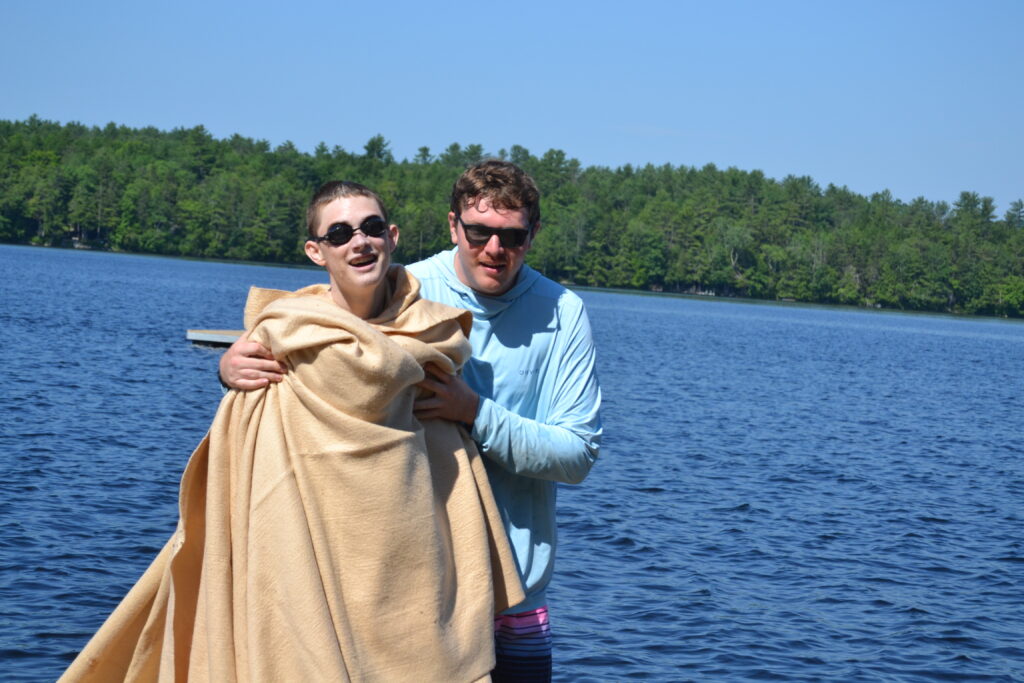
502	183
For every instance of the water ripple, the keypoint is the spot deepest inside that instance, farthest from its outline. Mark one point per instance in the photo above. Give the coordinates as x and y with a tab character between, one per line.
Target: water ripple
808	494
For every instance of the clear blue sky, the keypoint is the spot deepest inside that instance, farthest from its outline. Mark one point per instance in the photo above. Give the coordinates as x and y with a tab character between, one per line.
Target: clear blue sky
924	98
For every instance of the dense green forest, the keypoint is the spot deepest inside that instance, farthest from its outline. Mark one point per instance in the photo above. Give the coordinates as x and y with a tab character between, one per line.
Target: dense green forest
664	228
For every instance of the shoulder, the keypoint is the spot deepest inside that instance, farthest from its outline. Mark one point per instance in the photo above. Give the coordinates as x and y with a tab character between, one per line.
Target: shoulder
434	323
262	301
565	300
432	266
436	275
438	312
424	313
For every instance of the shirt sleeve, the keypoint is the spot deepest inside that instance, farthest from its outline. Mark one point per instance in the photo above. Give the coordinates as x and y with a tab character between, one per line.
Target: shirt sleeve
564	444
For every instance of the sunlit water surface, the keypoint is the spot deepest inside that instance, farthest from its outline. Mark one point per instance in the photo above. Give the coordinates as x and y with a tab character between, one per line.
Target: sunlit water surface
791	493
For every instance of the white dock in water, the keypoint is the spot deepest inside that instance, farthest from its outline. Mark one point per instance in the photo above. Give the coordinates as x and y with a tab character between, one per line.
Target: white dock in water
213	337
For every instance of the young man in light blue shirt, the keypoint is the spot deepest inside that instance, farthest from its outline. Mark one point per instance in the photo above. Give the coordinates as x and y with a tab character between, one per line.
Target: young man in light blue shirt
529	396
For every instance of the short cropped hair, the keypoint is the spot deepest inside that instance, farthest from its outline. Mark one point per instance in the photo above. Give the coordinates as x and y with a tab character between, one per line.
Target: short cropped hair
336	189
503	184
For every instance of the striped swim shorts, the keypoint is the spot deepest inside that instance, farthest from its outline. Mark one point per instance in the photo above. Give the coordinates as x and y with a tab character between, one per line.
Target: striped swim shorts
522	646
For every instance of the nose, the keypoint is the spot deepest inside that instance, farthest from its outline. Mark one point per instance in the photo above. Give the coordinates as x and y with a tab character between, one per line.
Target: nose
359	239
493	245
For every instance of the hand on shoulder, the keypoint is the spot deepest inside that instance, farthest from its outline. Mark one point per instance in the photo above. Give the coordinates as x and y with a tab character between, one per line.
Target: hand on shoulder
249	365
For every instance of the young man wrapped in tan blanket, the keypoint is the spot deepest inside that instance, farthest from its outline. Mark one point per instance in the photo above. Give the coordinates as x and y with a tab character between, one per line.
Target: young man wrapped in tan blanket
325	533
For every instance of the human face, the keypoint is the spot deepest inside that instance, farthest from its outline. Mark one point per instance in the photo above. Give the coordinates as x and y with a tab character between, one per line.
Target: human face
357	268
488	268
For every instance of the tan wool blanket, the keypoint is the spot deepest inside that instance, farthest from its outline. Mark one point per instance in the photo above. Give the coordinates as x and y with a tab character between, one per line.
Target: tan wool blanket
325	534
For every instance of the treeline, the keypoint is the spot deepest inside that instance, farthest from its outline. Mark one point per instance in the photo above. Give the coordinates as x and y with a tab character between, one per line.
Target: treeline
681	229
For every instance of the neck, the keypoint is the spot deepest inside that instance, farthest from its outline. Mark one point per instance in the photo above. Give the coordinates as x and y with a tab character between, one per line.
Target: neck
361	304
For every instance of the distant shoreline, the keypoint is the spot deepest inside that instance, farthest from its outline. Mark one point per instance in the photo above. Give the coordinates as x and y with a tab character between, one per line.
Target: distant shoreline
574	286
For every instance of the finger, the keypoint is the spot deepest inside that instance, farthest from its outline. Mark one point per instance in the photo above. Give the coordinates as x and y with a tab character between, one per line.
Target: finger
430	385
255	350
259	365
268	376
422	404
437	372
250	384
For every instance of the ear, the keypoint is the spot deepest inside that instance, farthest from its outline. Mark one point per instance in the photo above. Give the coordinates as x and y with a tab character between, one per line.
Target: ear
533	235
313	252
453	227
393	235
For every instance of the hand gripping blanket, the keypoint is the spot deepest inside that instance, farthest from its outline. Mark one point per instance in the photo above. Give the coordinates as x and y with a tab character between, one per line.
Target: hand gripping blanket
325	534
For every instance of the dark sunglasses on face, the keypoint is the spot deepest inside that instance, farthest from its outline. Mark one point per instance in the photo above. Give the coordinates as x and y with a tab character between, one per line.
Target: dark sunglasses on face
340	233
479	235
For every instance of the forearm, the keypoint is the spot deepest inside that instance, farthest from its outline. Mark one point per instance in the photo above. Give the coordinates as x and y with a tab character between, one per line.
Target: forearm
562	452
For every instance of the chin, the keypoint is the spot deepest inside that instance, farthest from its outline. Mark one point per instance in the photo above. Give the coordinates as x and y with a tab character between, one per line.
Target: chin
494	288
489	281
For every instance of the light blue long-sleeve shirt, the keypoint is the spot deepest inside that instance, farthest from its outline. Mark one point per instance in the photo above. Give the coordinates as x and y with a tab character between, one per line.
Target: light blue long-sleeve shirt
538	421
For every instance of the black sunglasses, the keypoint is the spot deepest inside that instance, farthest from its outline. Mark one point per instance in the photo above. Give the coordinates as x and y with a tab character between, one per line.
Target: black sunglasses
340	233
479	235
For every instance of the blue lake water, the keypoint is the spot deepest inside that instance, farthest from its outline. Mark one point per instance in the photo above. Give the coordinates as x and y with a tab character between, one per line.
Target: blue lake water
785	492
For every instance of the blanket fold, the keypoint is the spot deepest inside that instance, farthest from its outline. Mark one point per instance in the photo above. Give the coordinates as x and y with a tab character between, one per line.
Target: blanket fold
325	533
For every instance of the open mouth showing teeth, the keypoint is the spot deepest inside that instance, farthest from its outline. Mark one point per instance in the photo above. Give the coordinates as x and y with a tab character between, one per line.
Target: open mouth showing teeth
363	261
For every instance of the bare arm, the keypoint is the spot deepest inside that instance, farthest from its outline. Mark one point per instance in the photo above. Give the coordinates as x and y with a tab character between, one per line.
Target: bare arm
249	365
